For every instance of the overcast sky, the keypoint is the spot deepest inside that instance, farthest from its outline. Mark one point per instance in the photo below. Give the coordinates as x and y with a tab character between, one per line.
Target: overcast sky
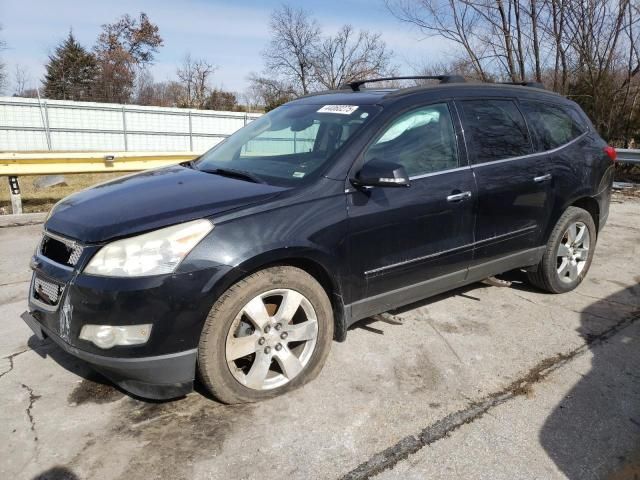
229	34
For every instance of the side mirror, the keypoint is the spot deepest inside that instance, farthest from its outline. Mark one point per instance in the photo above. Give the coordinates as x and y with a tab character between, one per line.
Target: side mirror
376	173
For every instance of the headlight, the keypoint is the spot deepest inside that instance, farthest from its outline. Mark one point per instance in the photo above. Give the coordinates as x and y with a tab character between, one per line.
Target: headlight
153	253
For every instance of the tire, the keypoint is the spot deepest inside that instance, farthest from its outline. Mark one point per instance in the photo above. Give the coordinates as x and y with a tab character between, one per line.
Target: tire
249	318
566	261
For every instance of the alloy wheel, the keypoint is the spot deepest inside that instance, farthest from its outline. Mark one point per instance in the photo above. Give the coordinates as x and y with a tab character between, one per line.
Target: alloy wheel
271	339
573	252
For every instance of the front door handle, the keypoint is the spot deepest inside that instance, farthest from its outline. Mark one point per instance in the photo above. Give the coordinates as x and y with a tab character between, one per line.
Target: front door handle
456	197
542	178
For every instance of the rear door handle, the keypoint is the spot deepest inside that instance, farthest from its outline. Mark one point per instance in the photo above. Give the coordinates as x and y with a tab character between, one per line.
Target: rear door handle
456	197
542	178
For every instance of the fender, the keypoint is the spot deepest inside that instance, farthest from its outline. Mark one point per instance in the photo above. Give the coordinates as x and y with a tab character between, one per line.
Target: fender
321	265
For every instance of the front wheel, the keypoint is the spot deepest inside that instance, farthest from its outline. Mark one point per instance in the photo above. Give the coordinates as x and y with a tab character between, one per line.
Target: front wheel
269	333
569	253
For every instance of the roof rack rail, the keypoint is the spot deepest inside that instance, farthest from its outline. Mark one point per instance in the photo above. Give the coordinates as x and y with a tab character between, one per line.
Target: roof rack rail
355	85
525	84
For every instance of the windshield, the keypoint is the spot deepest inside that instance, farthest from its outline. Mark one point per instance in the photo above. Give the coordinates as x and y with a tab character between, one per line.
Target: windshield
289	143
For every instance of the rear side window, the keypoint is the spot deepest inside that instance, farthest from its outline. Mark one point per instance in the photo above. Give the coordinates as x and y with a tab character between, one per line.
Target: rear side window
553	125
495	130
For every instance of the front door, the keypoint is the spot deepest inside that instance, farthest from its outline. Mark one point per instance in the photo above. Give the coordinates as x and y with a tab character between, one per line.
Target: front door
408	243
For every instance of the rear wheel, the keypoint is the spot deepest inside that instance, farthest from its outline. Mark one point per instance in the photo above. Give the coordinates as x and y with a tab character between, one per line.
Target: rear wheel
569	253
268	334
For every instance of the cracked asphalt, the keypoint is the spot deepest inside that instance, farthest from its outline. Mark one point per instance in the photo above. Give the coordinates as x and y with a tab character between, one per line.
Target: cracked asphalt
482	382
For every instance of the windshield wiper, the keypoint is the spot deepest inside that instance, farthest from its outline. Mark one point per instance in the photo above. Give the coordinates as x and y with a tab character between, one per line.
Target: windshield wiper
231	172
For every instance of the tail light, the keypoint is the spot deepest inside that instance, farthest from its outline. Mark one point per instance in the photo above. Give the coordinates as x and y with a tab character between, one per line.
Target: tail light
611	152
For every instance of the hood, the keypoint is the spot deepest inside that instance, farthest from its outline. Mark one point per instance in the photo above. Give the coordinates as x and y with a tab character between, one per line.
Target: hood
150	200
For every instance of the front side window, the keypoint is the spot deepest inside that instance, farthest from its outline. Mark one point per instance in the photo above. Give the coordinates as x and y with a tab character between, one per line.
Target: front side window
288	144
553	125
495	130
422	141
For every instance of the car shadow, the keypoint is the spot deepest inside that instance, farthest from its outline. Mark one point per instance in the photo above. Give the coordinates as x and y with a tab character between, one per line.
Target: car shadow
394	317
93	386
594	432
57	473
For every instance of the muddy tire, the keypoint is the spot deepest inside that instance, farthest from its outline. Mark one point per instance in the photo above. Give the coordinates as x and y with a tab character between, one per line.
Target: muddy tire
266	335
569	253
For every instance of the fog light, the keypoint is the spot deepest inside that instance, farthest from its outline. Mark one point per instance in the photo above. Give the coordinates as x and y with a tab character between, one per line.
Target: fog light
107	336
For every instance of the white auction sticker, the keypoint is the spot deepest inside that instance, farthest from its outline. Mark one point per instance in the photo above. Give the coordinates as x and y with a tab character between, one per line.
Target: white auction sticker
341	109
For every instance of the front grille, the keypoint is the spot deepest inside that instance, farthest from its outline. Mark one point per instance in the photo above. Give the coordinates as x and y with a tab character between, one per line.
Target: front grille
60	250
47	292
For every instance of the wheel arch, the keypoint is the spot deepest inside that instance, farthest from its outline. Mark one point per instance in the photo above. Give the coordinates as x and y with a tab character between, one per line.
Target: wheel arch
316	264
591	205
582	200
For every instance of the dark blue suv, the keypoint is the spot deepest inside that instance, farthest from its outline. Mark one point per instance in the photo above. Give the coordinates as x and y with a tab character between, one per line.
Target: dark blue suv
242	266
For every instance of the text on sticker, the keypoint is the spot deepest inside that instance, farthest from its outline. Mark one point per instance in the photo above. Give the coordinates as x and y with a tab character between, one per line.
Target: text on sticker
341	109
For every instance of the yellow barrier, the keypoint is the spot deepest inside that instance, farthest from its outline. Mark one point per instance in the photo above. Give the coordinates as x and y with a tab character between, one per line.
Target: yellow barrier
48	163
15	164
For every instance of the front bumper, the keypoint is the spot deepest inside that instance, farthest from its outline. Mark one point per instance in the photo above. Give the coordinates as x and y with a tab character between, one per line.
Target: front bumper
176	305
160	377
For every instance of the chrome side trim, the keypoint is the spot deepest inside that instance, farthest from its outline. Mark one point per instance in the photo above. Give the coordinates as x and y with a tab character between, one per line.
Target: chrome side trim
418	259
417	177
531	155
72	244
494	162
504	235
67	241
440	172
444	252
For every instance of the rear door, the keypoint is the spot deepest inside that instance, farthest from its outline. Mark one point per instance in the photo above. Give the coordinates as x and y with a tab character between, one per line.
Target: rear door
560	133
514	184
406	243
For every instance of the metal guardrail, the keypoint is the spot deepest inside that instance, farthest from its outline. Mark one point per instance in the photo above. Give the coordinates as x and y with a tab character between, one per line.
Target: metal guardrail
627	155
15	164
18	164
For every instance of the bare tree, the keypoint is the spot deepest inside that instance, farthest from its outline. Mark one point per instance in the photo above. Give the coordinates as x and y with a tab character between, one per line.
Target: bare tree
195	76
252	95
586	49
454	20
270	92
290	54
21	80
459	65
350	55
3	67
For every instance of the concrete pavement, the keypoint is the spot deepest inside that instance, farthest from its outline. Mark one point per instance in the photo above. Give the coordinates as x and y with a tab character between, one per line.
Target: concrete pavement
482	382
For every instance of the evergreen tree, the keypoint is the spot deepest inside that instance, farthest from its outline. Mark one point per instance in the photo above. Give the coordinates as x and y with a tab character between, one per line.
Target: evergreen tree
71	72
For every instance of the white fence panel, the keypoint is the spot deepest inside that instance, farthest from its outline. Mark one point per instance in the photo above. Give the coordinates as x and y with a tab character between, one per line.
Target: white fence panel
32	125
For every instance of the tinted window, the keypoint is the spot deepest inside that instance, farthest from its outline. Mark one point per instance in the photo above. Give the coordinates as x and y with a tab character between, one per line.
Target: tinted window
423	141
281	142
289	144
553	125
495	129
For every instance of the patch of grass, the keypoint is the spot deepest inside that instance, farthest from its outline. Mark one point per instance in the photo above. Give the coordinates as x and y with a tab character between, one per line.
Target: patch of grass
42	199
